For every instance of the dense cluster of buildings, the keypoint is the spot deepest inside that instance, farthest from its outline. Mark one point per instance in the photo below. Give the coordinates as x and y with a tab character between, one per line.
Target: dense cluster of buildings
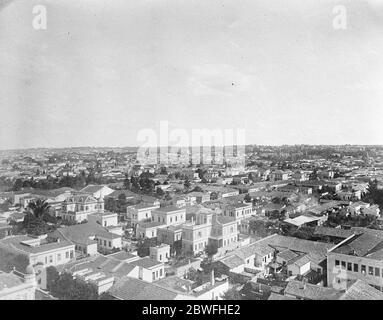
268	230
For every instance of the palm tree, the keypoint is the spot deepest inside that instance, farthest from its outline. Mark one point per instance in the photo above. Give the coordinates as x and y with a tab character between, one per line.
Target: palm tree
38	208
34	218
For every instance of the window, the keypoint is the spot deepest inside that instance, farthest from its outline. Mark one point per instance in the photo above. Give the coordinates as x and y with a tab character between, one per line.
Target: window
104	243
160	272
370	270
337	262
356	267
110	244
349	266
59	257
363	269
67	255
50	259
153	275
377	272
343	264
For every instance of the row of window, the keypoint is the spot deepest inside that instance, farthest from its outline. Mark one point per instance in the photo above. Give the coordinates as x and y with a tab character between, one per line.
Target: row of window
49	259
354	267
105	243
155	274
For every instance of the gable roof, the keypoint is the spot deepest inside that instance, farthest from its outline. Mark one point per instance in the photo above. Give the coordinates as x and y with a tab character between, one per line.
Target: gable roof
93	188
360	290
135	289
310	291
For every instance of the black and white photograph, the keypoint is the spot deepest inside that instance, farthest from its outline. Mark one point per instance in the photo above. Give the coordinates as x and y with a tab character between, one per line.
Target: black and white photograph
209	151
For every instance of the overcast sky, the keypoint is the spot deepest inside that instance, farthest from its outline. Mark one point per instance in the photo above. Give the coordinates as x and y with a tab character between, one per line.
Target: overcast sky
103	70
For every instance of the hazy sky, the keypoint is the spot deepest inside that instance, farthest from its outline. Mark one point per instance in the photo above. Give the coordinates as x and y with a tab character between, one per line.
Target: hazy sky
103	70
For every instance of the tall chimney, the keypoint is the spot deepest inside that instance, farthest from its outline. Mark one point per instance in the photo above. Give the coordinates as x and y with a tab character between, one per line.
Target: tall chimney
212	278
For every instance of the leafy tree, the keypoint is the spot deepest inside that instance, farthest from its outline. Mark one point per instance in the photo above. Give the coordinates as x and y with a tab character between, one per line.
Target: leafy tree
143	246
52	277
232	294
247	198
65	287
160	192
197	189
17	185
211	249
176	247
187	184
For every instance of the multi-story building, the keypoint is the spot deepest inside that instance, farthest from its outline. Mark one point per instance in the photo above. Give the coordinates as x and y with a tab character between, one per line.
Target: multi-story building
211	228
170	215
140	212
358	257
78	207
237	211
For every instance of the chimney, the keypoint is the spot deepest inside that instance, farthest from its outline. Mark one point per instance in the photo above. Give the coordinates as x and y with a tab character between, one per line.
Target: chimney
212	278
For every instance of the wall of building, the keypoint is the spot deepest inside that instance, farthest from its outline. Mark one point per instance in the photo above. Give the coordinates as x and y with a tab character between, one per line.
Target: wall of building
340	276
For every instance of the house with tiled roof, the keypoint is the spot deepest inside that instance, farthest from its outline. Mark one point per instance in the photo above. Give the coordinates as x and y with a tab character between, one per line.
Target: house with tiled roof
360	290
306	291
358	257
90	237
77	208
97	191
209	228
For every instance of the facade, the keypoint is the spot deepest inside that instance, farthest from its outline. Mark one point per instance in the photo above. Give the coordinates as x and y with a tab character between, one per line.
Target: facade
169	234
209	227
148	229
77	208
139	213
41	250
160	253
170	215
359	257
237	212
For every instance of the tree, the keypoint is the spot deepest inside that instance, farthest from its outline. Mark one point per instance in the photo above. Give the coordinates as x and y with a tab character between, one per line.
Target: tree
121	203
247	198
187	184
65	287
232	294
143	246
197	189
176	247
35	218
127	183
17	185
52	277
160	192
211	249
